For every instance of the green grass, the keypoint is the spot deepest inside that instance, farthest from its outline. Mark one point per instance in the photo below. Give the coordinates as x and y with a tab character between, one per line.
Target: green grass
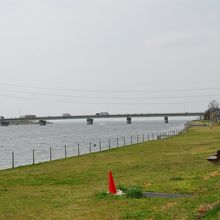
213	214
75	188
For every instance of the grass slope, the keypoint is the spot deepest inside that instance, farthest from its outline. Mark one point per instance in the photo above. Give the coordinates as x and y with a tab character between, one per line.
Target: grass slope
70	188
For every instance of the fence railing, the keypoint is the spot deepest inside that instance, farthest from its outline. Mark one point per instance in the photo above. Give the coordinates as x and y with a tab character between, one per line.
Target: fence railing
61	152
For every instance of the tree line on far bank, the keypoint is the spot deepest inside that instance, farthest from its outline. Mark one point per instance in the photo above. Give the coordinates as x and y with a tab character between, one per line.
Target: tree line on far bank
213	111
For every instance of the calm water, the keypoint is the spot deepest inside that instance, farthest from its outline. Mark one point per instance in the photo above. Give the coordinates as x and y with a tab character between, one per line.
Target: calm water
22	139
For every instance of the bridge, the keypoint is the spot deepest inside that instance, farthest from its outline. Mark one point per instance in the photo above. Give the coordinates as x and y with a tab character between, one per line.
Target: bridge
90	118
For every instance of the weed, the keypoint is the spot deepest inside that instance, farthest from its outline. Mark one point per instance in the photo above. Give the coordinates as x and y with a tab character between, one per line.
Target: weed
122	187
134	192
102	195
176	178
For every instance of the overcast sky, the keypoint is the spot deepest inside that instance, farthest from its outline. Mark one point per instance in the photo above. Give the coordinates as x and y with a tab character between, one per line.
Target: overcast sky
120	56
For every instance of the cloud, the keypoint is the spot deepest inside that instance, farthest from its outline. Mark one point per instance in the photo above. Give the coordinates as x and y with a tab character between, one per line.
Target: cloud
180	39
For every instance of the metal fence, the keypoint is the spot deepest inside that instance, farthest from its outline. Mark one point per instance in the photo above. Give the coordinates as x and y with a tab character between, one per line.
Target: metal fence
60	152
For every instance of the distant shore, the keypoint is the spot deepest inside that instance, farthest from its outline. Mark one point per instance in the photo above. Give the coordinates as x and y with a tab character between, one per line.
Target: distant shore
27	122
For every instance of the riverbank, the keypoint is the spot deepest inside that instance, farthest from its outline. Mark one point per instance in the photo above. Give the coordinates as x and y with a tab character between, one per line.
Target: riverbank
70	188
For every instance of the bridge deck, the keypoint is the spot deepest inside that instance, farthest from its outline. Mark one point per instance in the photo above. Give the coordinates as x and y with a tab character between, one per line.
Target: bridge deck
109	116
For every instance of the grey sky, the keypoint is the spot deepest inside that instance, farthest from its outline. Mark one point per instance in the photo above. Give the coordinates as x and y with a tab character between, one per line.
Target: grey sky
126	49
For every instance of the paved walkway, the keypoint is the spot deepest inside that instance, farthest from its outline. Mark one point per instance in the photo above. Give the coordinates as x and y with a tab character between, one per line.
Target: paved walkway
164	195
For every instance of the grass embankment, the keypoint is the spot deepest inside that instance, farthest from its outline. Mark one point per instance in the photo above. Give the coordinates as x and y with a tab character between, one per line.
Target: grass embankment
69	189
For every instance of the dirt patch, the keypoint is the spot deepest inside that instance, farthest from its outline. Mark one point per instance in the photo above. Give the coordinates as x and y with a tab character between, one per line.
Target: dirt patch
203	209
212	174
168	205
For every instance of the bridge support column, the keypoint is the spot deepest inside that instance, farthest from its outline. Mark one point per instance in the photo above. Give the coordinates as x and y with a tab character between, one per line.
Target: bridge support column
166	120
42	122
128	120
89	121
3	122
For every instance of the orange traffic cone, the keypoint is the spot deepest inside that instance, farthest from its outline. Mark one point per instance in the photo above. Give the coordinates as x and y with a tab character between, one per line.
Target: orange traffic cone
111	183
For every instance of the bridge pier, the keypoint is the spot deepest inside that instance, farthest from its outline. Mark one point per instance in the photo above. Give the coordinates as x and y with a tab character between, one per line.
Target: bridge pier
128	120
42	122
166	120
3	122
89	121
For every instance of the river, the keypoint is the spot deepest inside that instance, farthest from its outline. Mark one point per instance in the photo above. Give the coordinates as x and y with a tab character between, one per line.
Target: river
23	139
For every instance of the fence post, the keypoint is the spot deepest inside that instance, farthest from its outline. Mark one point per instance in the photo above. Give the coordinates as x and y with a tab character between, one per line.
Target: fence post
117	142
33	157
65	151
124	141
50	154
100	146
13	160
148	136
109	144
143	138
78	150
90	150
